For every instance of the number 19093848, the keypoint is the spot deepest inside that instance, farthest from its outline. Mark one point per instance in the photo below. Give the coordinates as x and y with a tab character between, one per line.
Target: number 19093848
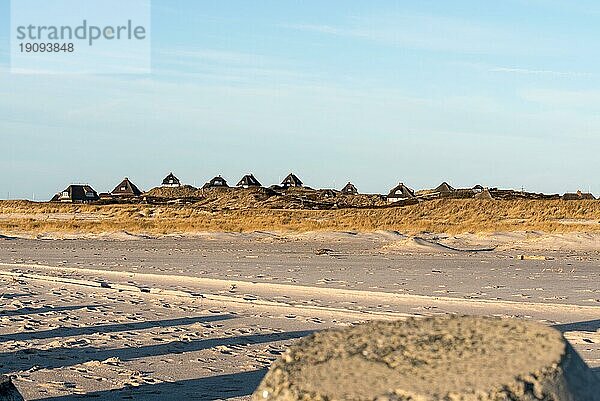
47	47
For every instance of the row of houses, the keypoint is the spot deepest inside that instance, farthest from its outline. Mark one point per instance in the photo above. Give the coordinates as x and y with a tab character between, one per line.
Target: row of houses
83	193
247	181
400	193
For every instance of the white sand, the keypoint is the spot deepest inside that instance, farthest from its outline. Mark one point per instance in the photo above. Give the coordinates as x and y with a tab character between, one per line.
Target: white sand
208	320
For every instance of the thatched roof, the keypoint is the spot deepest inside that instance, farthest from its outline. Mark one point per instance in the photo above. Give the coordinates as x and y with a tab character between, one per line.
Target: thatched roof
401	191
292	181
126	188
328	193
350	189
484	194
217	182
579	196
444	187
76	194
248	181
171	181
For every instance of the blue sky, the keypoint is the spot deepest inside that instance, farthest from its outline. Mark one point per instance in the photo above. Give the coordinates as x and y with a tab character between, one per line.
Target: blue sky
498	93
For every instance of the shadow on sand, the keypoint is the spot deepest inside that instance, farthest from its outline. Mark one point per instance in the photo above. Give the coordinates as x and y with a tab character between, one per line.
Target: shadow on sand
110	328
589	325
205	389
69	356
12	296
44	309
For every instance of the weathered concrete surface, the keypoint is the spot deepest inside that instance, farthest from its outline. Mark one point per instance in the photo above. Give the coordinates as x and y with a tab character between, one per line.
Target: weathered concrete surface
8	391
457	358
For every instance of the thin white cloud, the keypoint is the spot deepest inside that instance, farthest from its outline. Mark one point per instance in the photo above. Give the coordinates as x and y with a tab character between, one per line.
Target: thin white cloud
576	99
226	66
319	28
527	71
212	55
446	34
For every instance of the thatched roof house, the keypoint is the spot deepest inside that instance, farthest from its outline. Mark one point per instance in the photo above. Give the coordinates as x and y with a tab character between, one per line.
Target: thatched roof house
248	181
171	181
579	196
291	181
350	189
126	189
328	193
217	182
444	188
76	194
484	194
400	192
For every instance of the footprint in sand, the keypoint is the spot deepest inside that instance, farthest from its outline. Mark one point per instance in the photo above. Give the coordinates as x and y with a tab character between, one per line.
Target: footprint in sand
583	337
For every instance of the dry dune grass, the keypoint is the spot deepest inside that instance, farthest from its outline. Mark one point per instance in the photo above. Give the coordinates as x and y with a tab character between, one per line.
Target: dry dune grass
449	216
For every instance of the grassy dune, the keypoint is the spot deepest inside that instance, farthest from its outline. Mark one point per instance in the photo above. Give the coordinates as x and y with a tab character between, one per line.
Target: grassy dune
449	216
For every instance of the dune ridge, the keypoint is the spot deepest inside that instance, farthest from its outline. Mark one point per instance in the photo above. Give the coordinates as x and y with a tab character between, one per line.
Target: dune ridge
442	216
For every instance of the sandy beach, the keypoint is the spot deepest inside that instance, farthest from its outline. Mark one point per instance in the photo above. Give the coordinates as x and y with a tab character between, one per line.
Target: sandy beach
299	200
203	316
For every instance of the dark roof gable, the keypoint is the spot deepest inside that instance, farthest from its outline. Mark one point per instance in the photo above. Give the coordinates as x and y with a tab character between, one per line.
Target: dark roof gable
126	188
77	193
171	180
401	191
291	181
350	189
249	181
444	187
216	182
